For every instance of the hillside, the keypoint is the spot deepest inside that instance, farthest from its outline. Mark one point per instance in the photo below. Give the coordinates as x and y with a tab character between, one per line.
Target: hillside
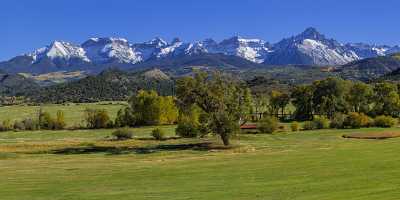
217	61
109	85
16	85
370	68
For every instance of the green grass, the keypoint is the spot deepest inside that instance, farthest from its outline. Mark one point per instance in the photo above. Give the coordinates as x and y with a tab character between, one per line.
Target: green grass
73	112
304	165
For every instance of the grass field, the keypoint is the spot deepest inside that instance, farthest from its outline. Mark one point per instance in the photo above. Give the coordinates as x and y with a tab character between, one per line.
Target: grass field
73	112
304	165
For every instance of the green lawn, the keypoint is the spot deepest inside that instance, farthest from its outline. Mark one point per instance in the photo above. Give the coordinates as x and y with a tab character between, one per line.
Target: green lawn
73	112
304	165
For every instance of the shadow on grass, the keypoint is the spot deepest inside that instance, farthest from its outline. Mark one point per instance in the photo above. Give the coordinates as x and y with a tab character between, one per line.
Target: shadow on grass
204	146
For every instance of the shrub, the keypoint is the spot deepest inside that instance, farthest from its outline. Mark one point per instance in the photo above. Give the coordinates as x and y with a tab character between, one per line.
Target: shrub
268	125
30	124
187	130
7	125
321	123
356	120
337	120
123	134
124	118
46	121
295	126
309	125
59	123
18	125
96	118
158	134
385	121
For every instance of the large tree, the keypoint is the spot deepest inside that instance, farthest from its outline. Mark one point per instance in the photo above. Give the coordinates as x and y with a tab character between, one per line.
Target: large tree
302	99
329	96
224	102
360	97
386	99
148	108
278	101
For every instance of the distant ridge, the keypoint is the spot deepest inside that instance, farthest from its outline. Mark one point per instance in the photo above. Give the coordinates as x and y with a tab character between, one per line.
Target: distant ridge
96	54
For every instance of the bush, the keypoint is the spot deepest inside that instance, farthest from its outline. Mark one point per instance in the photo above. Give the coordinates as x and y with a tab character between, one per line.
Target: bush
59	123
309	125
96	118
295	126
385	121
30	124
321	123
124	118
337	120
356	120
46	121
268	125
7	125
187	130
158	134
123	134
18	125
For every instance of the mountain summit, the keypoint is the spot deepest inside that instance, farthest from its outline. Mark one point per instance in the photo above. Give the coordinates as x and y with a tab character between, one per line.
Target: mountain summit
310	48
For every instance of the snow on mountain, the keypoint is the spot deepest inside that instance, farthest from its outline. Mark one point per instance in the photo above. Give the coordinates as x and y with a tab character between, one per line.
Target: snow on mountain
103	50
177	47
206	46
254	50
324	55
149	49
60	50
367	50
310	47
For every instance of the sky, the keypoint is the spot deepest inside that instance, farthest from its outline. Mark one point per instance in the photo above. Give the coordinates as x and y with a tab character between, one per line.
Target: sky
26	25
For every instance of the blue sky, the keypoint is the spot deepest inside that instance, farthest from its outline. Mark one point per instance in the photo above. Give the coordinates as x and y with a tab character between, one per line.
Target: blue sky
29	24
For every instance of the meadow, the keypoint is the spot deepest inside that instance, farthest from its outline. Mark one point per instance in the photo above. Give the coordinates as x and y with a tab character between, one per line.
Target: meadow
88	164
73	111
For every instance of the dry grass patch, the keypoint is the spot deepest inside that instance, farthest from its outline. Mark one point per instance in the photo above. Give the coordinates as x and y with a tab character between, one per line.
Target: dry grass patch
374	135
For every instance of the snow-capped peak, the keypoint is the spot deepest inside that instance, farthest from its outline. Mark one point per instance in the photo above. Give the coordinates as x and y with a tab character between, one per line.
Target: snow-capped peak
308	47
101	50
159	42
176	47
254	50
60	50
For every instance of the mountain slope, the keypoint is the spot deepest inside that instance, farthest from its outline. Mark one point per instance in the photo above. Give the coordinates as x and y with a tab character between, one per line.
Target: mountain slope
218	61
16	85
371	68
310	48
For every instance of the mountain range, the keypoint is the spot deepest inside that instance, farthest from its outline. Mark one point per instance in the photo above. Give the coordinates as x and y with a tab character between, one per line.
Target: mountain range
96	54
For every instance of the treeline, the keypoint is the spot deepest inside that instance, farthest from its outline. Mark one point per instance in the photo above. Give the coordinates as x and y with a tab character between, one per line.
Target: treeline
333	95
220	104
332	103
43	120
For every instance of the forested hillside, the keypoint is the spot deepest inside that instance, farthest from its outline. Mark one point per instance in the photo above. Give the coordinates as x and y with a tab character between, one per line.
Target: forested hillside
109	85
